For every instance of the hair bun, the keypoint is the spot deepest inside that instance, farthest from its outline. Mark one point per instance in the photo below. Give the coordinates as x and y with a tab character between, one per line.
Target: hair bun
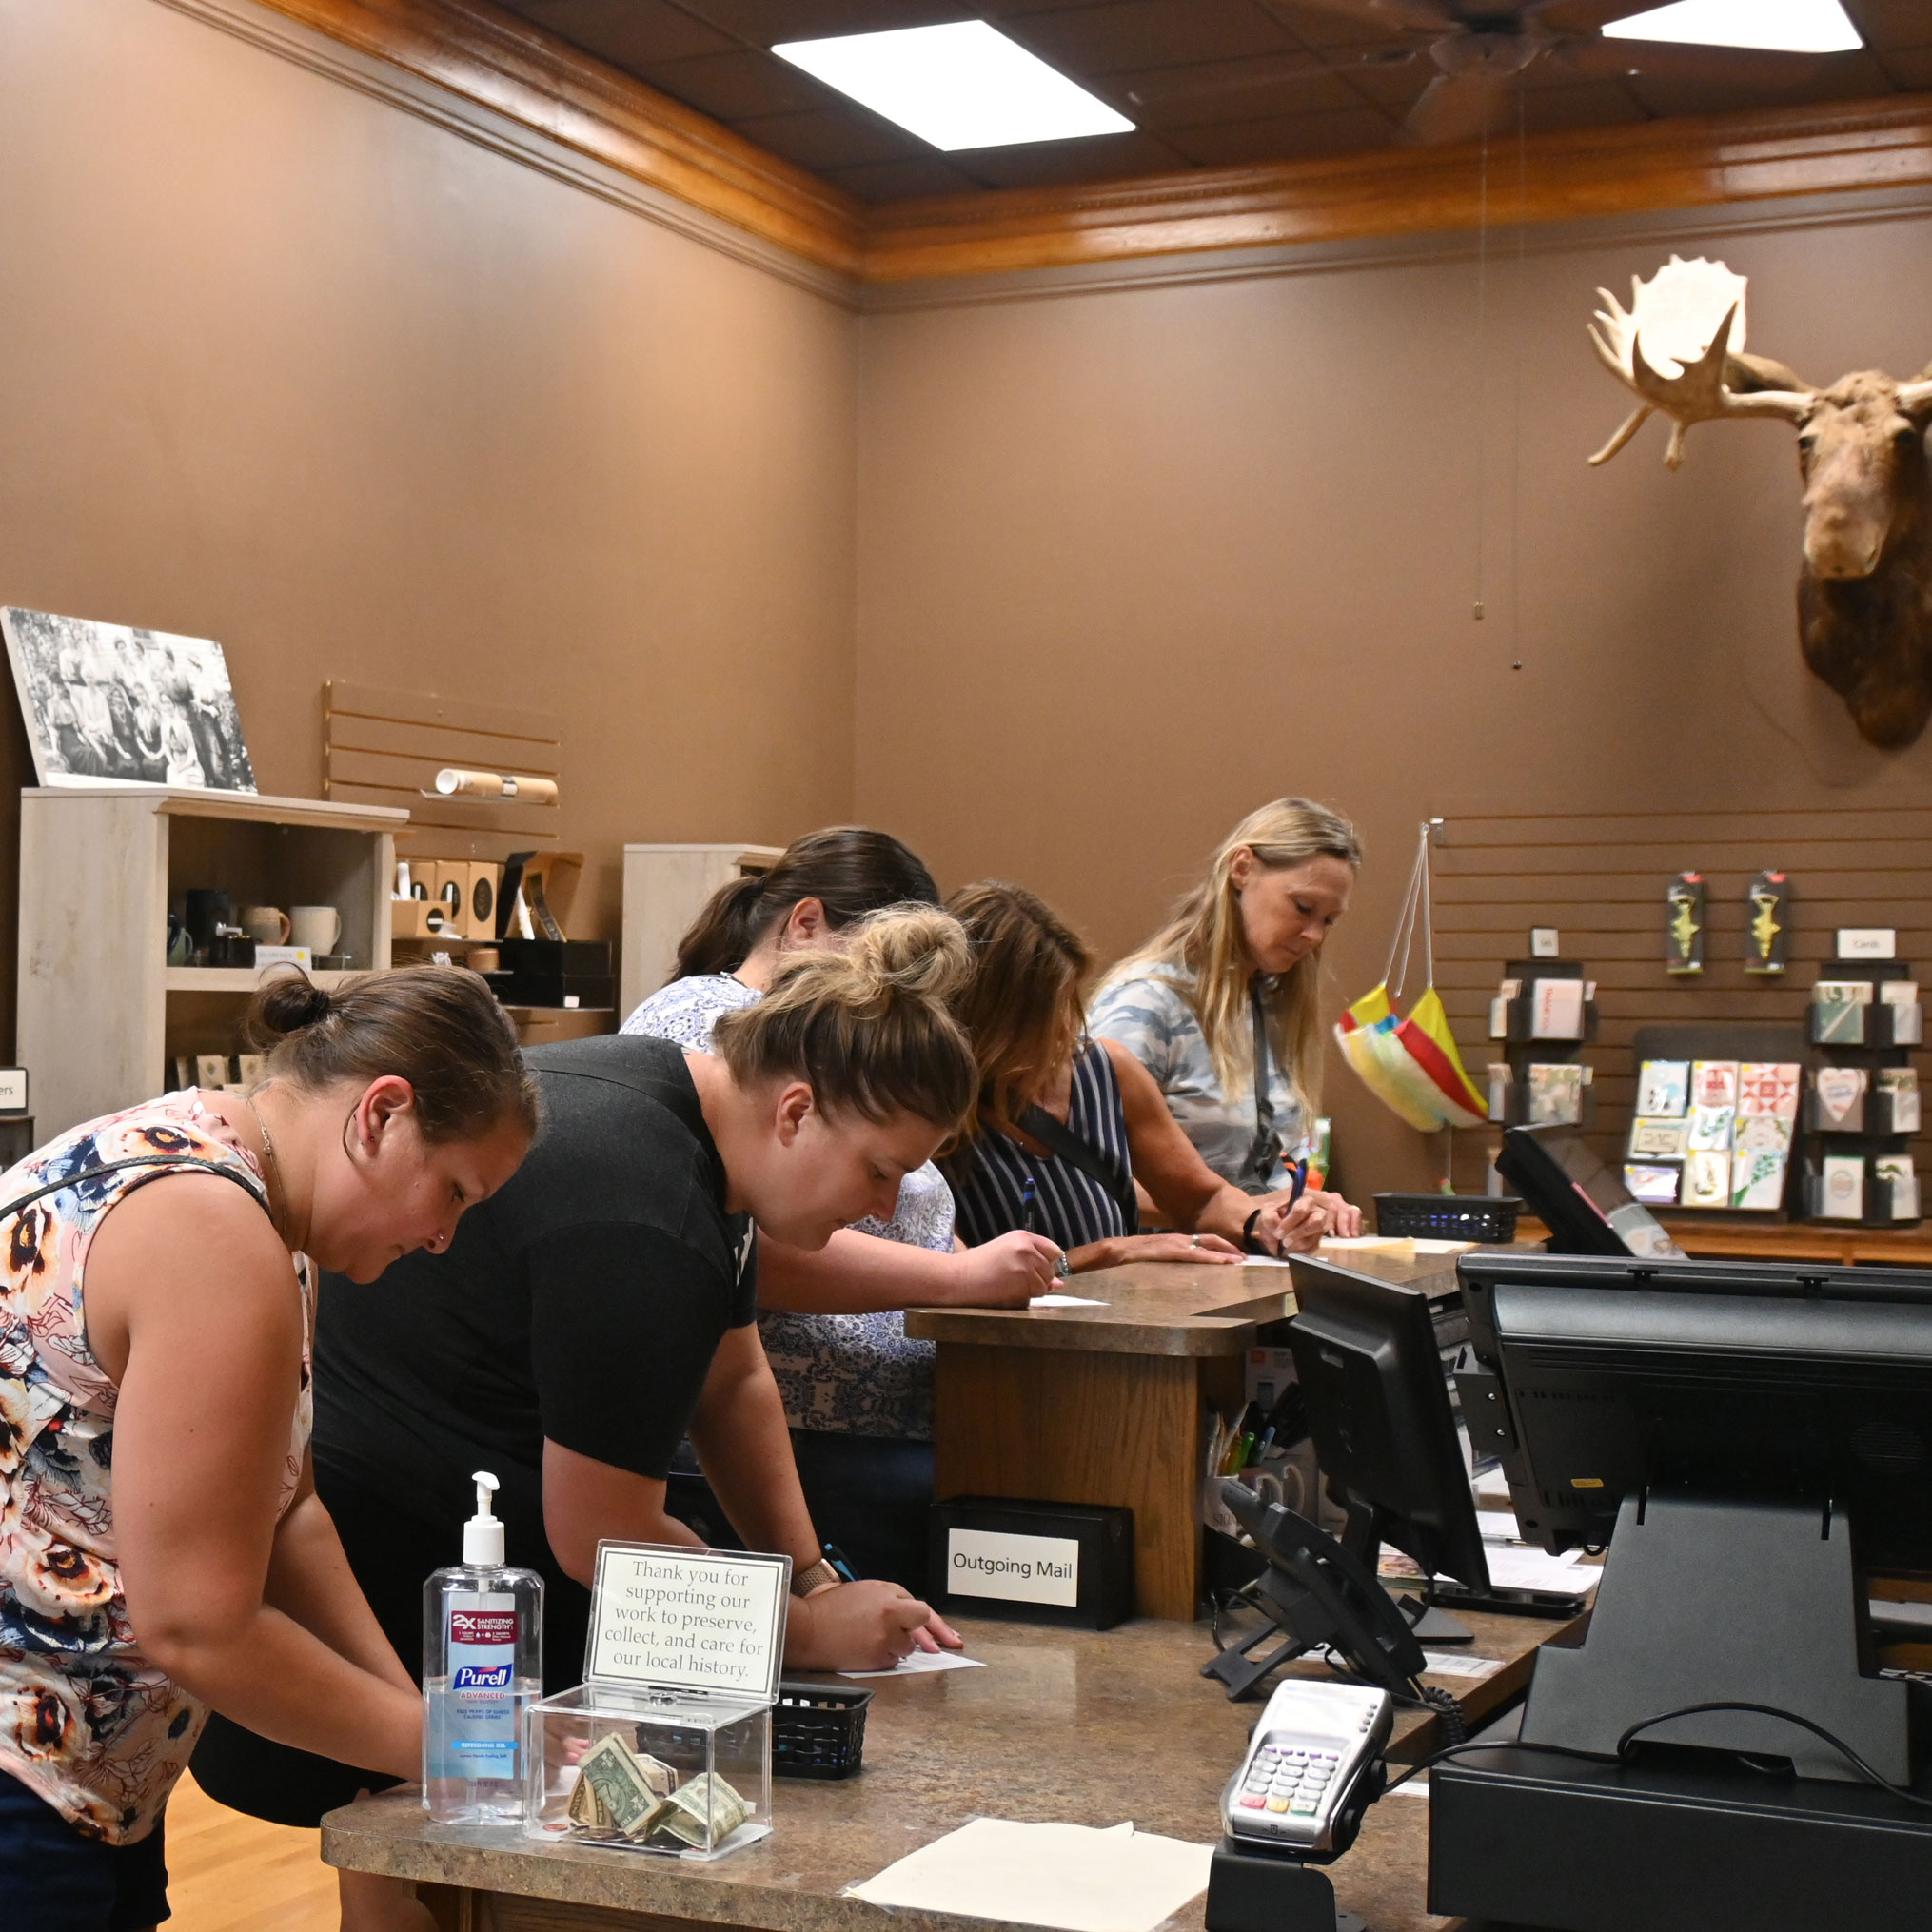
911	949
285	1003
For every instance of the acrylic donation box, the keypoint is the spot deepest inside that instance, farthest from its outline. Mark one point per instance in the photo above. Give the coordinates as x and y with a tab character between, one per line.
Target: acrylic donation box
666	1745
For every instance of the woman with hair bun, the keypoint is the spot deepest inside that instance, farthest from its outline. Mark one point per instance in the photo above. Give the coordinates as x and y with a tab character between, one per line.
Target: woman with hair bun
857	1390
602	1307
162	1548
1222	1006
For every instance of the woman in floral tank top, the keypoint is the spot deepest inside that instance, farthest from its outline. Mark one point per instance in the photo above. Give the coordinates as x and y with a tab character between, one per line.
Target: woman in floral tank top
155	1318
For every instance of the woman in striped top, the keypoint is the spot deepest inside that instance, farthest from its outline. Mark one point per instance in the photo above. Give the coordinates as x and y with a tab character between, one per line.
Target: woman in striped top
1066	1125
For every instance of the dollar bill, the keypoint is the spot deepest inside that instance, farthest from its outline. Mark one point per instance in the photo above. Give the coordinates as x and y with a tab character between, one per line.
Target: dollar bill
656	1773
621	1787
586	1809
703	1811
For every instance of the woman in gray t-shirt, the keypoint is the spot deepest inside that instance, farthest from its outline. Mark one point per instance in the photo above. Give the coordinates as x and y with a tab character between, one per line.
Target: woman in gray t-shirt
1222	1005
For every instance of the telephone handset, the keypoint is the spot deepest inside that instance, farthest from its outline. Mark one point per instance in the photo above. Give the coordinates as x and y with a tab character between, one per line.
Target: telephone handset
1319	1596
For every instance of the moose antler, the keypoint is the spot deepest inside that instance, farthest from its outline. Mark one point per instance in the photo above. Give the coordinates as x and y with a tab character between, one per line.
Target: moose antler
1676	307
1917	394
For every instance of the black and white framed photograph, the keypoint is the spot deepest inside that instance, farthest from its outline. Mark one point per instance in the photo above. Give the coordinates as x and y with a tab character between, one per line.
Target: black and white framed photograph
107	703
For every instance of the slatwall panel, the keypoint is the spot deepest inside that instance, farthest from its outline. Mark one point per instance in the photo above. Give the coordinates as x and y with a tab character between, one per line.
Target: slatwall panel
1601	882
384	747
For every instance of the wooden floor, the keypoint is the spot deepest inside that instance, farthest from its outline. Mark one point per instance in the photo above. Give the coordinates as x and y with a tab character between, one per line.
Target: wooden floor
227	1873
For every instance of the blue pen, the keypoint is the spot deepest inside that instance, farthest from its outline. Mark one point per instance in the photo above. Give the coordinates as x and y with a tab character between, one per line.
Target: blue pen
1298	1182
1029	1202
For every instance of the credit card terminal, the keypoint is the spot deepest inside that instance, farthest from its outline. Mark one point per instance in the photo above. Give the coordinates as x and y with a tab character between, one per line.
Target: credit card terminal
1306	1757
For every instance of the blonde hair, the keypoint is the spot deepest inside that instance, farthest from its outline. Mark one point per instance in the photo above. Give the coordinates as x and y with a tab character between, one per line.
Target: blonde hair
1202	954
870	1029
1020	1003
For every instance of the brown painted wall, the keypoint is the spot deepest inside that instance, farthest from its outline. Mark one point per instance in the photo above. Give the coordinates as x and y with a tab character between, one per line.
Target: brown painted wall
285	366
1132	562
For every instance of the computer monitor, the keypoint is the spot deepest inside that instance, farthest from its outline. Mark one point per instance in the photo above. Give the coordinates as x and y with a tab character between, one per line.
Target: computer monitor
1578	1195
1371	1370
1740	1379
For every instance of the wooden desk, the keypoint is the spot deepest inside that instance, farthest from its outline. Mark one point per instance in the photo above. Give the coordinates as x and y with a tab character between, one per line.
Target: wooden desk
1104	1405
1086	1727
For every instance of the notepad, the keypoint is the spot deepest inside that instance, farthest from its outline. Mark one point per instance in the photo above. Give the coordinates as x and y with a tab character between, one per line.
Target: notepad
1072	1876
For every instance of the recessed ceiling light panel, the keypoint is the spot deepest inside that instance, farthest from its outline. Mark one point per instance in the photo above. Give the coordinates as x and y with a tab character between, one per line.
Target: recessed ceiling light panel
965	84
1777	26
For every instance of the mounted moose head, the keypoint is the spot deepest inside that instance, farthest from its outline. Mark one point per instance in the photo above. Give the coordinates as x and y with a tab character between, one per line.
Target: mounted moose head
1864	593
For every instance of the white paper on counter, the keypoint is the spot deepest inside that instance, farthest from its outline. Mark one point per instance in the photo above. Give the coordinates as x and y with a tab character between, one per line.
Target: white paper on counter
1520	1569
1447	1664
1072	1876
1065	1301
917	1661
1497	1526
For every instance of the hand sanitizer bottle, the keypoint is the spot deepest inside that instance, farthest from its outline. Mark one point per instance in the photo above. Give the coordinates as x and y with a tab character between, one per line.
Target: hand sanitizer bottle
482	1664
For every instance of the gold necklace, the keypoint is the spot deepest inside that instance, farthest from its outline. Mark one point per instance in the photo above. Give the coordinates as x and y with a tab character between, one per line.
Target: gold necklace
271	1178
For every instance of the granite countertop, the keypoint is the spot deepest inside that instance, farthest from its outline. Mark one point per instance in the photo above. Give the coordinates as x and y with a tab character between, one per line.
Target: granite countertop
1167	1308
1085	1728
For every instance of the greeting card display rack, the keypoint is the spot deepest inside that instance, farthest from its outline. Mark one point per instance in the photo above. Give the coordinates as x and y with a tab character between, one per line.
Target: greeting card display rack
1765	1042
1877	1127
1512	1027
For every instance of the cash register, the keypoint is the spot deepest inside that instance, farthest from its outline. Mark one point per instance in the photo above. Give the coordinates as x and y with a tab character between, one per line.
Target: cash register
1751	1443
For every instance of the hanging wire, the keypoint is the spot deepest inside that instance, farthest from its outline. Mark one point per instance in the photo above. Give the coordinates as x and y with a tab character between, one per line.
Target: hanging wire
1482	362
1516	397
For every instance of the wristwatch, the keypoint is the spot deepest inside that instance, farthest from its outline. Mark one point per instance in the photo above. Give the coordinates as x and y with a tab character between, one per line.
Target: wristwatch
805	1581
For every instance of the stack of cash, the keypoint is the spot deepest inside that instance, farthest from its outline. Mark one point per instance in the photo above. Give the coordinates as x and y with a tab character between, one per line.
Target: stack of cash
629	1794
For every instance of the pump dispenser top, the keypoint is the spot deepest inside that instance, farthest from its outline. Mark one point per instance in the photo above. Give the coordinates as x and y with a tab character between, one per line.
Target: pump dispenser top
482	1535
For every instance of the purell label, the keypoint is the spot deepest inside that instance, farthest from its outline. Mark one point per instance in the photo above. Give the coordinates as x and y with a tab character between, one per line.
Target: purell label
481	1741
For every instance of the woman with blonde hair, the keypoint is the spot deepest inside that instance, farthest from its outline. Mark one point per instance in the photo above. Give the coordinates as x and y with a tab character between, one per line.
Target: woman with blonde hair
1222	1006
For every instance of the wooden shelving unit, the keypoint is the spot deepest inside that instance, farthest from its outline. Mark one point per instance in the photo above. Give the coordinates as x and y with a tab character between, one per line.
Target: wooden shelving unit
665	886
101	1011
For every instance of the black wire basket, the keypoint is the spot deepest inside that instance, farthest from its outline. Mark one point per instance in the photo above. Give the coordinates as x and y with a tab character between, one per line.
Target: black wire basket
1447	1217
819	1730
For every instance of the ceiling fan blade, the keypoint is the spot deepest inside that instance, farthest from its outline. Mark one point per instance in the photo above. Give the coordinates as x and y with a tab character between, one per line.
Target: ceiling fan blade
1387	16
1722	67
1456	108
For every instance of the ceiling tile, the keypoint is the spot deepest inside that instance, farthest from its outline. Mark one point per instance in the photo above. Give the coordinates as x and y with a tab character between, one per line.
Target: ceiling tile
763	22
1316	27
1842	77
1130	35
1285	137
1230	90
732	87
1912	69
1101	157
831	138
882	181
625	32
1887	24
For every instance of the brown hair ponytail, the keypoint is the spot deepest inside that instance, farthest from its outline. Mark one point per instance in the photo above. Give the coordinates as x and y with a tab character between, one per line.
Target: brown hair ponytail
869	1028
851	871
438	1027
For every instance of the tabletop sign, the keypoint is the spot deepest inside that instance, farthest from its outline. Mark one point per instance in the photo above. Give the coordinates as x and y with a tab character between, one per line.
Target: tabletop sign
1544	943
671	1617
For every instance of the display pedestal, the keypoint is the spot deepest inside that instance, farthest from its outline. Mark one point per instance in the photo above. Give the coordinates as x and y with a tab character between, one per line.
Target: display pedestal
1252	1891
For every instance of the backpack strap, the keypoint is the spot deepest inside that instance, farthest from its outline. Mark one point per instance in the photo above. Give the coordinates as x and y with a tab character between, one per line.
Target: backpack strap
1061	1141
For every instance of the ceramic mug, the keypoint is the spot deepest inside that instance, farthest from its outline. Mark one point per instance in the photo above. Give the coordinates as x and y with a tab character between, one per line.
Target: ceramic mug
267	925
316	927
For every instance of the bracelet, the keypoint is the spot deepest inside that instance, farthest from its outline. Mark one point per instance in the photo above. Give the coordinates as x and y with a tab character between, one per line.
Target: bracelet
1248	1240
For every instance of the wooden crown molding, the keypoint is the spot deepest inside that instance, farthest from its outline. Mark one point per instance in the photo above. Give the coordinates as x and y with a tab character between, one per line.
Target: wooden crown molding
499	60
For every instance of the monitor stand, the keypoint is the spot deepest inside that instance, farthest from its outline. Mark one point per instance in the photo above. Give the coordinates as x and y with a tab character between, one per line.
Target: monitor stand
1362	1538
1706	1599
